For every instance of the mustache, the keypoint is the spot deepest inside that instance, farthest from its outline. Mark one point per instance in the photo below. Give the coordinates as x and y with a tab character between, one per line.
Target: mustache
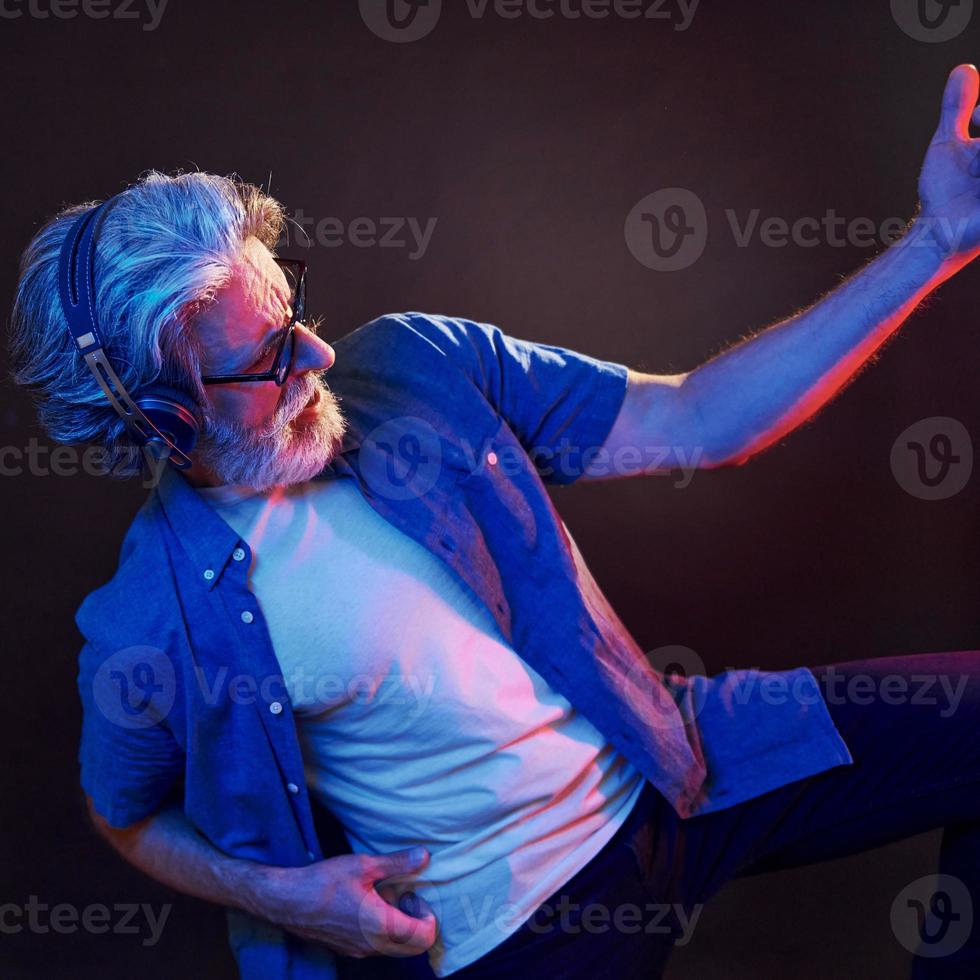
262	456
295	399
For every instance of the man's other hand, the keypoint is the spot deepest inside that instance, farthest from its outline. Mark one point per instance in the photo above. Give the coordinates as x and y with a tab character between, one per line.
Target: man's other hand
949	185
335	903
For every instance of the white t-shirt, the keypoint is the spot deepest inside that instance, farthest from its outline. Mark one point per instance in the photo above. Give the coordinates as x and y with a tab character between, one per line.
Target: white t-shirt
418	723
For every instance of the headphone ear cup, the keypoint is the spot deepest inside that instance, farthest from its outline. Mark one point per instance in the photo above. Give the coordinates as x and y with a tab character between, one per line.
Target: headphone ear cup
173	412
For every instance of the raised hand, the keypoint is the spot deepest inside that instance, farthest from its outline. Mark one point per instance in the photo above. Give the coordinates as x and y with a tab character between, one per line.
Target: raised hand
949	185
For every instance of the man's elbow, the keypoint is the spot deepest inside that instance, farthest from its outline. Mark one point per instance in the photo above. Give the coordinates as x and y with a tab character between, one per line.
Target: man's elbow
97	820
99	823
118	837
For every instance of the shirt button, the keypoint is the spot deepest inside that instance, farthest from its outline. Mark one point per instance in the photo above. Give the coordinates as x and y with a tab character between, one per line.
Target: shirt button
209	573
238	554
247	617
293	788
492	458
276	707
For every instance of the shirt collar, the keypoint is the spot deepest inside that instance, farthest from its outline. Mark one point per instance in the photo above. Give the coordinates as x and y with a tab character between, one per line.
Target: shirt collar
206	537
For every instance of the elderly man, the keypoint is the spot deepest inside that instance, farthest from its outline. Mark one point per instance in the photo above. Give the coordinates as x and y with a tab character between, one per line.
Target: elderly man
352	678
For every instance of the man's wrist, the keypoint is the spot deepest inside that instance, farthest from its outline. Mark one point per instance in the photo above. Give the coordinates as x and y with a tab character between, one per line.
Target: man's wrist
930	246
933	235
257	888
938	242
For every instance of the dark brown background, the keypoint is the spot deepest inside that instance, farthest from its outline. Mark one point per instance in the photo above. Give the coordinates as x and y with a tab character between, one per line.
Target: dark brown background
529	141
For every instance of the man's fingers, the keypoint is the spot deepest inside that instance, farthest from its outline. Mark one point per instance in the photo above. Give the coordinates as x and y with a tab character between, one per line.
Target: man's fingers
403	934
415	905
407	935
404	862
959	102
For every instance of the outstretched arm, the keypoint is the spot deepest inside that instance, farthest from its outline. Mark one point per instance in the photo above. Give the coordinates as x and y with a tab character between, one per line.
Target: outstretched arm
751	395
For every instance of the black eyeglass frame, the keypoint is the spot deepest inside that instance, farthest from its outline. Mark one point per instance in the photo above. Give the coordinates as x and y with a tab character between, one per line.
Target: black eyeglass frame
281	366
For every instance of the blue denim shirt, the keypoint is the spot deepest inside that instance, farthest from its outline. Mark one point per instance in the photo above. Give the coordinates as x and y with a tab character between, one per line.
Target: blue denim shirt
454	430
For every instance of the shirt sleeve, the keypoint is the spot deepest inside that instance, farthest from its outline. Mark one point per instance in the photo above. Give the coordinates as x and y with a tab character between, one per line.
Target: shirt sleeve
130	760
561	404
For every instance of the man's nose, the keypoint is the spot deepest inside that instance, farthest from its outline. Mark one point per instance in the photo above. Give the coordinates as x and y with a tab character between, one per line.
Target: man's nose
312	353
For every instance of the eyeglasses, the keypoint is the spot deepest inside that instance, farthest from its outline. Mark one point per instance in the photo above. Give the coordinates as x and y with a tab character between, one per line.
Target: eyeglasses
295	272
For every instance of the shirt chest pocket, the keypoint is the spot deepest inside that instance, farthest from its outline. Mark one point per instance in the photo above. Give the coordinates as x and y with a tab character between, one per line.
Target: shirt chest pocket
500	487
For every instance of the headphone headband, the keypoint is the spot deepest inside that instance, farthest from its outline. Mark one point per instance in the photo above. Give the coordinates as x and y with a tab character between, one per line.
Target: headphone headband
76	286
76	276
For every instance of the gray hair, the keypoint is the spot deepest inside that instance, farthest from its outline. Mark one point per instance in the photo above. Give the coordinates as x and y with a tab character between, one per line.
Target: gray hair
165	249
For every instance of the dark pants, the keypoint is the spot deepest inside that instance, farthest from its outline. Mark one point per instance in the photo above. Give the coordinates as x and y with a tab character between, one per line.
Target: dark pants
916	749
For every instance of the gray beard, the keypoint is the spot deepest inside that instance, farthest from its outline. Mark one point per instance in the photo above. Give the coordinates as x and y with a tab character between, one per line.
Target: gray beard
280	453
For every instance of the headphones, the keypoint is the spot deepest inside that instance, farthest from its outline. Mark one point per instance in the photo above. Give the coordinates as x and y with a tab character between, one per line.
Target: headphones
163	421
